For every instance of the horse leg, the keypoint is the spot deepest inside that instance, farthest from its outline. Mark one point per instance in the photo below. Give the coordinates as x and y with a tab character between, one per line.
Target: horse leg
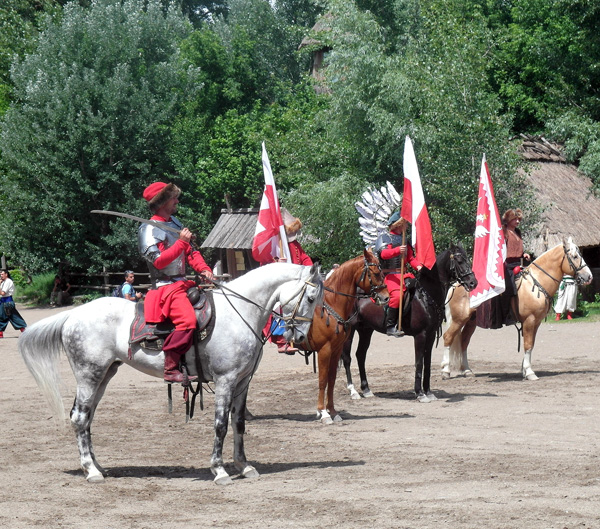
347	361
223	398
324	357
364	342
334	359
530	327
467	333
419	340
238	423
91	385
451	341
429	341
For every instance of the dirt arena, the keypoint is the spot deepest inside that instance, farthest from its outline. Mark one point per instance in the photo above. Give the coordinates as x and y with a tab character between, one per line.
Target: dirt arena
492	452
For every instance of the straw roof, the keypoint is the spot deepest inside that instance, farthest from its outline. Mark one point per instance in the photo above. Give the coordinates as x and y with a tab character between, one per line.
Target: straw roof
571	208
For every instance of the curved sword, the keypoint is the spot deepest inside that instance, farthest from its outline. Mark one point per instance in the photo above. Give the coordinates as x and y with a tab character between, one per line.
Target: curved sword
155	223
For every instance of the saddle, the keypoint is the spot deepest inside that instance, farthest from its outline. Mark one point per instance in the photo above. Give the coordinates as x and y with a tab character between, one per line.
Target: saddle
152	335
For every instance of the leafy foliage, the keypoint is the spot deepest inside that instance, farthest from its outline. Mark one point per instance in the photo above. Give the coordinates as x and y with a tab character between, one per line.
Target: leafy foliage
89	130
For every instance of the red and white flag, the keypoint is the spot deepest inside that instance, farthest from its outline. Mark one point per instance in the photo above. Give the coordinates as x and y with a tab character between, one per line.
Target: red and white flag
414	209
489	251
269	237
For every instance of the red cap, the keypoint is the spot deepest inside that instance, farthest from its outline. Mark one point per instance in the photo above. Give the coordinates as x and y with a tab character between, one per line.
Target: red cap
153	189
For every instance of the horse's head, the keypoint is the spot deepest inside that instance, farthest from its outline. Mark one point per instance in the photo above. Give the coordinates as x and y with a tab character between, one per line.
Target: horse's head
298	301
371	279
574	264
460	267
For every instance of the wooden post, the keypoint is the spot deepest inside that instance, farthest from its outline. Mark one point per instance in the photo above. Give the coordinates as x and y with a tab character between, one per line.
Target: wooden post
402	260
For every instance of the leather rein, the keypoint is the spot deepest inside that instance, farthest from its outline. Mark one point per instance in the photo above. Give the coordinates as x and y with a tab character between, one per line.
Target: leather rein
537	284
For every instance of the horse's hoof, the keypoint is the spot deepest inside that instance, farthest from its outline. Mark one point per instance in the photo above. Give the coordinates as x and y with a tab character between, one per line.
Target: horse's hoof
95	477
431	396
445	375
354	395
531	376
423	398
324	417
250	472
337	418
468	373
221	477
368	394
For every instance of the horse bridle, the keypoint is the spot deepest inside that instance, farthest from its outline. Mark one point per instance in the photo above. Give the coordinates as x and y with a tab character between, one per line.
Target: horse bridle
575	268
292	319
459	275
373	289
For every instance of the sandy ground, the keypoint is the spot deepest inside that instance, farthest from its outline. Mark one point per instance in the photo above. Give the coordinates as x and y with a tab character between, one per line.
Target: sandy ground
493	452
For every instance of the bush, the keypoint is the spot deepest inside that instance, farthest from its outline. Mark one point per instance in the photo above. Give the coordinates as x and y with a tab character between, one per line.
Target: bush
38	291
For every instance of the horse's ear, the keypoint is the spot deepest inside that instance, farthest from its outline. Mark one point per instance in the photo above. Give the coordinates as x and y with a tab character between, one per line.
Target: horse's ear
315	268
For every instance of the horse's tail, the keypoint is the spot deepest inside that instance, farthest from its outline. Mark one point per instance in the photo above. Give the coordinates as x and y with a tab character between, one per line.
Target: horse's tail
40	346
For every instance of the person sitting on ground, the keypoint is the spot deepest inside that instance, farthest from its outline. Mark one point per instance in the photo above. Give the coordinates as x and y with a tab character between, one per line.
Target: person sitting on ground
60	292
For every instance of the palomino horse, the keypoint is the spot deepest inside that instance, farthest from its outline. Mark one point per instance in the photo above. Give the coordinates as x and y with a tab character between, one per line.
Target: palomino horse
535	289
422	323
95	338
331	321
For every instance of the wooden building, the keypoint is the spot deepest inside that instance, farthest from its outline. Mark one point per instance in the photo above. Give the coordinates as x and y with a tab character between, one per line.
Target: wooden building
232	236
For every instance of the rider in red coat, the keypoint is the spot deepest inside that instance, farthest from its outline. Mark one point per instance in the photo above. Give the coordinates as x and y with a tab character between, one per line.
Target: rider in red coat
299	256
390	249
166	254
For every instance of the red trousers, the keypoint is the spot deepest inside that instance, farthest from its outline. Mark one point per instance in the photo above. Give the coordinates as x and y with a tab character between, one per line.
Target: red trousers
171	302
392	281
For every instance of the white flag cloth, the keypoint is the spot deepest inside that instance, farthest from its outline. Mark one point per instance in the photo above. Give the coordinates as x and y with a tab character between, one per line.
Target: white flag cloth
270	237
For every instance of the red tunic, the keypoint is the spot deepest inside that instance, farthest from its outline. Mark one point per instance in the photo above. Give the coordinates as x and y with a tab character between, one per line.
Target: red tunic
170	301
299	256
392	280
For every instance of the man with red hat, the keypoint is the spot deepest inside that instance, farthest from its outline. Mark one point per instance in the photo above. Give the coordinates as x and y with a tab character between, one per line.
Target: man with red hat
167	254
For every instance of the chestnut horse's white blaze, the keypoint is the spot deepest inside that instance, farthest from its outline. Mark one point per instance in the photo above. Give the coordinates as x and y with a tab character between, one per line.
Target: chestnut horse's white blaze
95	338
535	289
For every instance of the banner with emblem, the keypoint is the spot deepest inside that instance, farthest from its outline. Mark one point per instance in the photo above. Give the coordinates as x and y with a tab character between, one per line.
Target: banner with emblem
489	251
269	238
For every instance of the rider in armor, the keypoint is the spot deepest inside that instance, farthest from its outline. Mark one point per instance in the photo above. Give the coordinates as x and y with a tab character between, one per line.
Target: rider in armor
167	254
390	250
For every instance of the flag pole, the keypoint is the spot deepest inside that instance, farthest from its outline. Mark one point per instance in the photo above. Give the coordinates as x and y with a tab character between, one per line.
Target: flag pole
402	259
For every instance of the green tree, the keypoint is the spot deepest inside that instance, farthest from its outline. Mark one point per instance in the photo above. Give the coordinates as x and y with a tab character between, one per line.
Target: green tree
431	84
89	128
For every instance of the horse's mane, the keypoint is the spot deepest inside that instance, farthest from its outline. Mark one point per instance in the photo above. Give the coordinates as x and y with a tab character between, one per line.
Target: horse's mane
344	274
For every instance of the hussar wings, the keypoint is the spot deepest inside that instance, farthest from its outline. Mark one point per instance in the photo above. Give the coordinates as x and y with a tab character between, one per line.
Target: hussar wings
374	209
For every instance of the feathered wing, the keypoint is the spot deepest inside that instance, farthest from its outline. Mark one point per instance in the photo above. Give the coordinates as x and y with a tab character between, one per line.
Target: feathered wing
374	209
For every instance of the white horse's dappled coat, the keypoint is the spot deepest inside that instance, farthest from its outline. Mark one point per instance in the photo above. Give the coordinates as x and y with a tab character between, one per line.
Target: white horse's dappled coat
95	338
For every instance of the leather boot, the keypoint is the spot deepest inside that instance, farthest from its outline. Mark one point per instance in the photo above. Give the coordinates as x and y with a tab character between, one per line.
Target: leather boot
1	334
392	322
569	317
282	345
177	344
557	317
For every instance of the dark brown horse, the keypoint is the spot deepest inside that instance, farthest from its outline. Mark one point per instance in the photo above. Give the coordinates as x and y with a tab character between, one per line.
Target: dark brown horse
423	320
331	321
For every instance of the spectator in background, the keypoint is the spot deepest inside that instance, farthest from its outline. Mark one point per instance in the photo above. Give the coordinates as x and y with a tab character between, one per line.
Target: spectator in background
8	311
566	298
60	292
127	289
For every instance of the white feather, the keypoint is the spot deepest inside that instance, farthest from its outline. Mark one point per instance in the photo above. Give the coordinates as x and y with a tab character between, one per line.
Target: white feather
396	198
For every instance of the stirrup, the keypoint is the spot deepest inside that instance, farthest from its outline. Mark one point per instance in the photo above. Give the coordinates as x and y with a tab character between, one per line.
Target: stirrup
395	332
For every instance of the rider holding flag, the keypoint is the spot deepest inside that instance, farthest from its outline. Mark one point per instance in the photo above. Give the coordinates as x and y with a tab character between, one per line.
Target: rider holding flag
167	254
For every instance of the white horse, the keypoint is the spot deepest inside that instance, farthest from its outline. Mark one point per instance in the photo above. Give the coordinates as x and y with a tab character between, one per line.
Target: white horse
535	289
95	338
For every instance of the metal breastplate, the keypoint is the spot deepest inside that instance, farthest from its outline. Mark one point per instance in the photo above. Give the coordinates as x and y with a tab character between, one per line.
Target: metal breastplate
382	243
148	238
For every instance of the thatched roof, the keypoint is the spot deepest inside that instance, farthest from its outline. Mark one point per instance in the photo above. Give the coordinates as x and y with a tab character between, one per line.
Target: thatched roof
323	24
571	208
234	230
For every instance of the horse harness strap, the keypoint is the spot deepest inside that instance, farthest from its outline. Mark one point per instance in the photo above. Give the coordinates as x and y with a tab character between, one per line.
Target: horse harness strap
536	283
344	323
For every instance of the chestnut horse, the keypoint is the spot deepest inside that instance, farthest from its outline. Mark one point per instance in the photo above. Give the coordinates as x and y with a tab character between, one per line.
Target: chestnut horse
423	322
331	321
536	287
